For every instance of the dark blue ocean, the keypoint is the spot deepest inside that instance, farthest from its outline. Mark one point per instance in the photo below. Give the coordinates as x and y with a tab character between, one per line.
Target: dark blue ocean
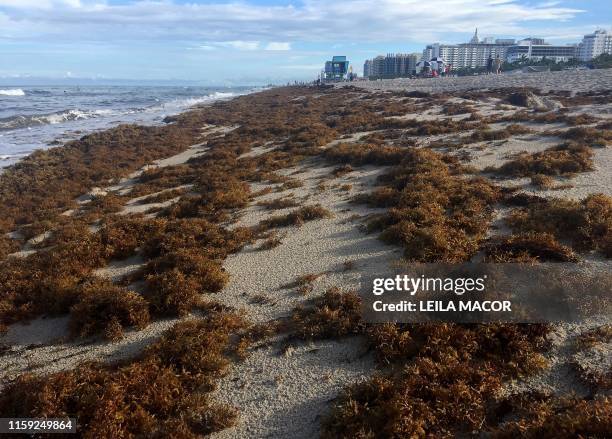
35	117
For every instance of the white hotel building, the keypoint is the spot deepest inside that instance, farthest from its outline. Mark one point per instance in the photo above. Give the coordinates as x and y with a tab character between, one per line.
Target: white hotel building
476	52
536	49
473	54
595	44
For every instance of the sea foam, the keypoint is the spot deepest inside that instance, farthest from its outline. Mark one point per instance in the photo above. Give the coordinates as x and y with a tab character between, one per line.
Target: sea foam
25	121
12	92
193	101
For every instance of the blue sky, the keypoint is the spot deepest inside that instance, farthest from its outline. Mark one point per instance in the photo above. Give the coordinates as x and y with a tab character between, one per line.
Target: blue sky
249	41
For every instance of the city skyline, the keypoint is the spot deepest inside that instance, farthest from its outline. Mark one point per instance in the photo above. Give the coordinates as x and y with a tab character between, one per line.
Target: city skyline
256	41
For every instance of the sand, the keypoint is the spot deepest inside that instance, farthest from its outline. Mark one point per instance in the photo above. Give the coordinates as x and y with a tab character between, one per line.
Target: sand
560	376
572	80
284	395
41	347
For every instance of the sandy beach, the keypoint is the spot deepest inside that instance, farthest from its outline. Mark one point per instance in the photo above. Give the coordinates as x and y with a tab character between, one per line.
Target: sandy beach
220	210
575	81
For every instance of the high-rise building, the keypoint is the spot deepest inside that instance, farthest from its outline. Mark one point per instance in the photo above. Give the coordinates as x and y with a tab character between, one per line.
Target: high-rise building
537	49
377	67
367	68
595	44
391	66
468	54
429	52
473	54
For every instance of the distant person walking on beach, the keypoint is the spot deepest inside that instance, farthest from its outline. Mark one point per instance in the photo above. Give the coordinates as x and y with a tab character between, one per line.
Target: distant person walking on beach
498	64
489	65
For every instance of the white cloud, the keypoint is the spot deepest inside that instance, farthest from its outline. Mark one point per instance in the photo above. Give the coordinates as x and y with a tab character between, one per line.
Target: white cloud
38	4
25	4
240	45
242	25
278	46
570	33
243	45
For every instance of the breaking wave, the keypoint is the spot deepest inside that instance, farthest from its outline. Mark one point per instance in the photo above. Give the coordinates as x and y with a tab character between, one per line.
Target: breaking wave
12	92
190	102
25	121
32	120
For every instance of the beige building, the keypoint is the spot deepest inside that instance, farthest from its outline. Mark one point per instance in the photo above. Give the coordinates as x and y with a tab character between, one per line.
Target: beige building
396	65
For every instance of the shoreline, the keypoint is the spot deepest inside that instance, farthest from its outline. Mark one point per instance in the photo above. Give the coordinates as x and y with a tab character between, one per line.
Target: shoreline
97	118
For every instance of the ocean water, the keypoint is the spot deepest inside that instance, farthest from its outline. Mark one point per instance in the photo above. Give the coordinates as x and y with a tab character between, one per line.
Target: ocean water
40	117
